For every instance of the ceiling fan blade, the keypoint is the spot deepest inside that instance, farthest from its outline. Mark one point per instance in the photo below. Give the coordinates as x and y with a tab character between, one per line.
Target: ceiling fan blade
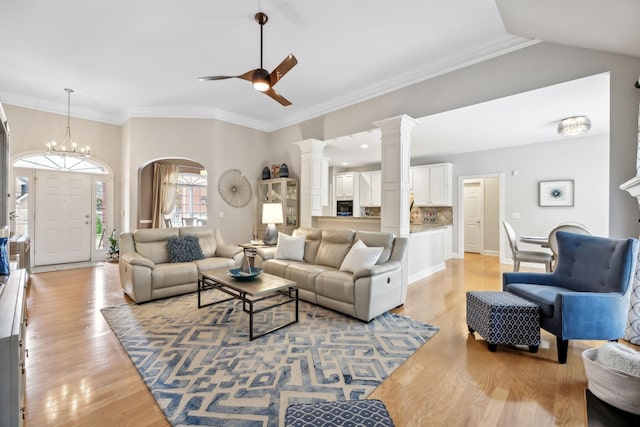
287	64
202	79
245	76
275	95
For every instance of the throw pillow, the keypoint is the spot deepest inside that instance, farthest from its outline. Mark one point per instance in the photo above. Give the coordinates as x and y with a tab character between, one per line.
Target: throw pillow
360	256
184	249
290	247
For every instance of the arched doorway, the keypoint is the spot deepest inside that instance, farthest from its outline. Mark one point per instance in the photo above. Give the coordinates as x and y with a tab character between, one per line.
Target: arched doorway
65	203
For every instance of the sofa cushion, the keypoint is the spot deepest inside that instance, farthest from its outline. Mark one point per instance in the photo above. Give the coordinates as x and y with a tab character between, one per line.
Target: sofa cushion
543	295
168	274
334	246
360	256
212	263
151	243
336	285
311	243
290	247
374	239
304	274
206	238
184	249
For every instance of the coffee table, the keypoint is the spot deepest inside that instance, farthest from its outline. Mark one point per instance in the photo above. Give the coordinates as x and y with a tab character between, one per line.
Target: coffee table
263	288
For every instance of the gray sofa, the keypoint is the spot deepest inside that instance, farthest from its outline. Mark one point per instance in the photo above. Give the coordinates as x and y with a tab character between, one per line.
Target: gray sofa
146	273
364	293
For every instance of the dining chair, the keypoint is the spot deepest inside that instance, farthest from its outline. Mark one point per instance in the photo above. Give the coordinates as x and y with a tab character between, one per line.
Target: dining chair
189	222
571	227
167	223
525	256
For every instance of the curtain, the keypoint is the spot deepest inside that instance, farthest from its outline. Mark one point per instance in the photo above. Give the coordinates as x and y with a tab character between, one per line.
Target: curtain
165	185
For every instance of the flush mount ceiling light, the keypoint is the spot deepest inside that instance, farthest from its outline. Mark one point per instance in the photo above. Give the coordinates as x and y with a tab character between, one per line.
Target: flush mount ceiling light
572	126
68	147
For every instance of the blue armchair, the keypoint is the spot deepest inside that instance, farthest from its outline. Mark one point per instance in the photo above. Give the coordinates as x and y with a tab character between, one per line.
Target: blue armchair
587	295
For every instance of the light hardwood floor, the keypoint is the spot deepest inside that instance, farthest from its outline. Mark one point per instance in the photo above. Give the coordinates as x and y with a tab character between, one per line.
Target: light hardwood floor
79	375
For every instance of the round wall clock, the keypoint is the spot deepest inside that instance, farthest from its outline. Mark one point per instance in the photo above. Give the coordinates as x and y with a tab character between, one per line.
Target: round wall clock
234	188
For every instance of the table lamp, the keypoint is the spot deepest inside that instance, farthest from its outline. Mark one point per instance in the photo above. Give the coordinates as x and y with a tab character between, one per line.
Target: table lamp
271	215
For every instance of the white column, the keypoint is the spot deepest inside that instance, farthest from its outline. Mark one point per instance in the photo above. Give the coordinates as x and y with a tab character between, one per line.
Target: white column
311	185
396	157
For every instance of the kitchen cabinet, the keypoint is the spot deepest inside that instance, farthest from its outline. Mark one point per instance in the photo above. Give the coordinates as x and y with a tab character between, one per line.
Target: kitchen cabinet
426	253
344	186
13	321
370	191
432	185
285	192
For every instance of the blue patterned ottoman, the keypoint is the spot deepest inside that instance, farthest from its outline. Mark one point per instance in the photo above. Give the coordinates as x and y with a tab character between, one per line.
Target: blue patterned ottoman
503	318
350	413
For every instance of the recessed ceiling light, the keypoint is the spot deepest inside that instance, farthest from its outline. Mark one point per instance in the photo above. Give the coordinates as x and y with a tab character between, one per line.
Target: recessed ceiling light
364	146
345	164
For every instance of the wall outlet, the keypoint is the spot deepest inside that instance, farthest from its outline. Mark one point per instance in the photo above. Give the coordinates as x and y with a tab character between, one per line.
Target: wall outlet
515	215
221	214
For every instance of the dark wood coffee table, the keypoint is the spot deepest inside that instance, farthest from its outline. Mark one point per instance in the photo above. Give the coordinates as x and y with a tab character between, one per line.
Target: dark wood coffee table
263	288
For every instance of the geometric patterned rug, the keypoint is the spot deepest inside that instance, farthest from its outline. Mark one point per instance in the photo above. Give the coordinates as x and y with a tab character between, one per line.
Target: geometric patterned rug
202	369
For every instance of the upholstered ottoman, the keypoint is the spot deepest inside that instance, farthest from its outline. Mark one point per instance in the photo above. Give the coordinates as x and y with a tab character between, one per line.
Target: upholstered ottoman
350	413
503	318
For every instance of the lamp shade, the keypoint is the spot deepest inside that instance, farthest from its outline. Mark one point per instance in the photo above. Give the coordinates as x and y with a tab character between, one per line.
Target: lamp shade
272	213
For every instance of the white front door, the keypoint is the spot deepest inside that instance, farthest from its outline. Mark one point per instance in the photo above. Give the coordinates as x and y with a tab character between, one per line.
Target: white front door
473	216
63	224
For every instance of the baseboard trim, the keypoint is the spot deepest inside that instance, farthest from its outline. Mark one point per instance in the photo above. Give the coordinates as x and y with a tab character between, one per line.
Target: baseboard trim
426	273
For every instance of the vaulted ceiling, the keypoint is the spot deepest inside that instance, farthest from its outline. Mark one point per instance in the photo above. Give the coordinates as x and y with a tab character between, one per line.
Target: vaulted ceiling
135	58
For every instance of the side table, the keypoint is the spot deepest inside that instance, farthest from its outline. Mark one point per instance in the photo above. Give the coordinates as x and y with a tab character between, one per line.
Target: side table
251	249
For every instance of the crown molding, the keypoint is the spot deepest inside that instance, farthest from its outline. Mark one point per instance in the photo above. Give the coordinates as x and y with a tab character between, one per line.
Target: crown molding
503	46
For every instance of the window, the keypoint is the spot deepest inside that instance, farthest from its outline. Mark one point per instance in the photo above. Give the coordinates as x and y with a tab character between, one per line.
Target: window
191	199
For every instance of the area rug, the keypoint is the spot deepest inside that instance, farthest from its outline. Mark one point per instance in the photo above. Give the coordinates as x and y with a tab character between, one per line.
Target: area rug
202	369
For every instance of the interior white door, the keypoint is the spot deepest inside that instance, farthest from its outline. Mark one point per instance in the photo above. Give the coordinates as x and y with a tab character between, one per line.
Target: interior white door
473	216
62	231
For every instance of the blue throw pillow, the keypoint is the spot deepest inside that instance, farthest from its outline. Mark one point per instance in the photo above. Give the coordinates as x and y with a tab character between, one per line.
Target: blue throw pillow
184	249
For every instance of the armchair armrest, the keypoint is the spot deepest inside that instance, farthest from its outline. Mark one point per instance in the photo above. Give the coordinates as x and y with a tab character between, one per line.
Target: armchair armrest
228	251
266	253
376	270
134	258
581	314
529	278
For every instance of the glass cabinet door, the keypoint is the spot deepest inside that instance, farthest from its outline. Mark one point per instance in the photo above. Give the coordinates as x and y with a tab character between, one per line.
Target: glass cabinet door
276	192
263	190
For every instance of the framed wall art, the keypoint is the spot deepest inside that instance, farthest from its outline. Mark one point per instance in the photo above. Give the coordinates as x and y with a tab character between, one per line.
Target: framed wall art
556	193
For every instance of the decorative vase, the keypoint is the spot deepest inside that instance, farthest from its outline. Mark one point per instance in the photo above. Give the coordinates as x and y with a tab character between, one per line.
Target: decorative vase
266	173
284	171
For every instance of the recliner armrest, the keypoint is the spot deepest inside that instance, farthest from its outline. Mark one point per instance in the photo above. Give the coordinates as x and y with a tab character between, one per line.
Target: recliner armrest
530	278
377	269
134	258
228	251
266	253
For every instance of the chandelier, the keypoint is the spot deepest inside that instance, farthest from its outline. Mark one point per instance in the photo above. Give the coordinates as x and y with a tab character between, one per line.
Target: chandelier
68	147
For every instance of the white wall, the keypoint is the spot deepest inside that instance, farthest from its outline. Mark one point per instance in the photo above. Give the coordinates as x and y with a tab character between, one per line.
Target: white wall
217	145
531	68
585	160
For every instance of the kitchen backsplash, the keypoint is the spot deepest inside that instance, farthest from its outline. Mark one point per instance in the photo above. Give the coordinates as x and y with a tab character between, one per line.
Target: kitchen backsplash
441	215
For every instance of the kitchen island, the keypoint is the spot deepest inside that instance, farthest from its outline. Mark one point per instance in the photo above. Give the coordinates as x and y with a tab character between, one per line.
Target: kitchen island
429	243
358	223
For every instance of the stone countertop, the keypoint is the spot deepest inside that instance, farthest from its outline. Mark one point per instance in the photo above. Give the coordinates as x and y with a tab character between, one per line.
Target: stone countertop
419	228
358	218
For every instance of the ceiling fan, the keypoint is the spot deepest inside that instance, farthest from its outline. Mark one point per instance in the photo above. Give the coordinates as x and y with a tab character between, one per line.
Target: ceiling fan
260	78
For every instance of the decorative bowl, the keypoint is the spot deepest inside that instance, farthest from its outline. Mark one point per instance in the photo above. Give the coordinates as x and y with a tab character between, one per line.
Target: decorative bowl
243	276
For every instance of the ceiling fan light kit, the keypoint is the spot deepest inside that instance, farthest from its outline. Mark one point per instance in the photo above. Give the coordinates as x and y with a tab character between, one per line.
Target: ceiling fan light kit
261	79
